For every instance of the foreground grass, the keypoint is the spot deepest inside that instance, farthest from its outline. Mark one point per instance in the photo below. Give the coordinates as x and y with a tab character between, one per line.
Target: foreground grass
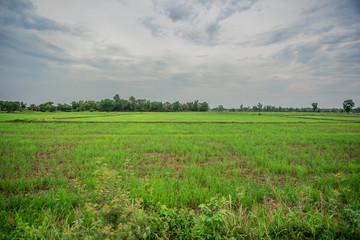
172	180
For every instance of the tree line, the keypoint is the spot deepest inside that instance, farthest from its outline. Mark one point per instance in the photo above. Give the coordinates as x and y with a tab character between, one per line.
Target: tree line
347	107
117	104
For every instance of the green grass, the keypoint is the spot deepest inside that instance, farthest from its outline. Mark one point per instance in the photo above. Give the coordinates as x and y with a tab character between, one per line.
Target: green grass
281	176
226	117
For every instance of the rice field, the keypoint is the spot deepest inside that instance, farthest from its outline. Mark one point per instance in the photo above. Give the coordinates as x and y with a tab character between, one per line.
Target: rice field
179	176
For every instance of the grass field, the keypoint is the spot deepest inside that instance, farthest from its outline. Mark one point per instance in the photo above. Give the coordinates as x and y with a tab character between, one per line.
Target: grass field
179	175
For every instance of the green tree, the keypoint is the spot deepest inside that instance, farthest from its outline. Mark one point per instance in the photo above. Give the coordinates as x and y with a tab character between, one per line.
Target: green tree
314	106
142	105
184	107
107	105
132	102
64	107
176	106
22	106
33	107
195	106
241	107
220	108
47	107
90	106
204	107
117	100
9	106
156	106
167	107
75	106
348	105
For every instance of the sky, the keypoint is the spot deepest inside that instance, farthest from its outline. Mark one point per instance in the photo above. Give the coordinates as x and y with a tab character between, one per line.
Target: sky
225	52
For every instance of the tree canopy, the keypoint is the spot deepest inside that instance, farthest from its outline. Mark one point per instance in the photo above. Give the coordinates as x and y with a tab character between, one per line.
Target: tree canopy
348	105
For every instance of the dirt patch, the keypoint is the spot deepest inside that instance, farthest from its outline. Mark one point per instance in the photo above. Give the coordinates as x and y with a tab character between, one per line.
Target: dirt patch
46	162
271	204
151	160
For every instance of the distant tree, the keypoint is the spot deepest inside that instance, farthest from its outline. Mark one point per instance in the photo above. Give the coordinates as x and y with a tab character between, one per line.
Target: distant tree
195	106
47	107
33	107
241	107
90	106
132	102
259	106
348	105
124	105
176	106
64	107
204	107
50	108
190	105
22	106
10	106
107	105
220	108
156	106
81	106
117	100
142	105
167	107
314	106
184	107
75	106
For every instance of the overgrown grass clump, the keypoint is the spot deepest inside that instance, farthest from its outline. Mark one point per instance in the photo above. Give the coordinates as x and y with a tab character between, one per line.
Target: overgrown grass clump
110	212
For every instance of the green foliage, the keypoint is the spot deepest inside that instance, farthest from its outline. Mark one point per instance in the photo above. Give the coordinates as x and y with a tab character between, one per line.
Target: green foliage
314	106
115	214
47	107
348	105
212	223
107	105
9	106
204	107
64	107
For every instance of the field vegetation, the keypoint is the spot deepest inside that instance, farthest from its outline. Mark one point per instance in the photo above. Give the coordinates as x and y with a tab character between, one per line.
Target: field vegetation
209	175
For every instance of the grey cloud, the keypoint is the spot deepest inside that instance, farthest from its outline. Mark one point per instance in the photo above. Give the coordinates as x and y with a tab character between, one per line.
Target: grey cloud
302	53
190	15
232	6
19	13
212	30
176	10
280	35
155	29
207	37
341	13
16	5
31	45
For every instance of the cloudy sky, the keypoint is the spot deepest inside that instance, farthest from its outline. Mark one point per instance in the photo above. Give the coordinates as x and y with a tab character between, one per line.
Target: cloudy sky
228	52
